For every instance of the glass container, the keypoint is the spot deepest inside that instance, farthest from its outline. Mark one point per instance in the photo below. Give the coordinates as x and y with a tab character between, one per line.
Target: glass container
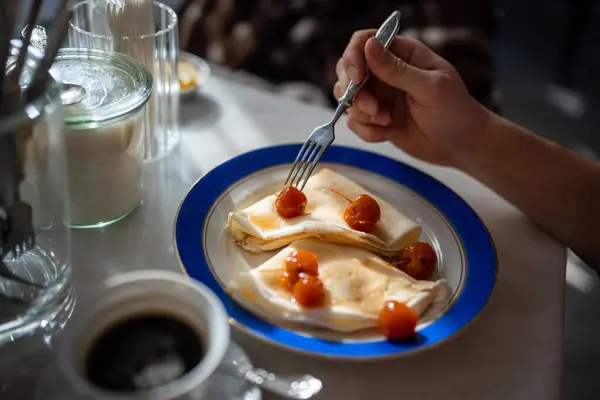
105	95
95	25
35	268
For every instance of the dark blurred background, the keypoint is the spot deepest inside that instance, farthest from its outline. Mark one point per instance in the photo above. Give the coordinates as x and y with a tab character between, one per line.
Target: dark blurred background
547	54
535	61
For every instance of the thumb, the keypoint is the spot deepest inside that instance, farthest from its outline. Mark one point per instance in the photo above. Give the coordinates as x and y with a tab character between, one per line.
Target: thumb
395	72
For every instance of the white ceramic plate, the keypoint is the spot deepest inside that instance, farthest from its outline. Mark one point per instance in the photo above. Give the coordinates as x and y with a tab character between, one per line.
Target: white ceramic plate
466	254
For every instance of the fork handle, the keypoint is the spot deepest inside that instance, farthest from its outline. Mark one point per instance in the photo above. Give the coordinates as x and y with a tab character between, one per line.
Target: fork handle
385	34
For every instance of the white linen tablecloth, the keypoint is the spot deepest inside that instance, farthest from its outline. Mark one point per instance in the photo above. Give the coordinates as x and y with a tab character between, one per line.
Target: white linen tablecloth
514	350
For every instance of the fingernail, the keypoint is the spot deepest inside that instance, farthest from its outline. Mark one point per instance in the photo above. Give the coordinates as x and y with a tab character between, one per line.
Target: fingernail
353	74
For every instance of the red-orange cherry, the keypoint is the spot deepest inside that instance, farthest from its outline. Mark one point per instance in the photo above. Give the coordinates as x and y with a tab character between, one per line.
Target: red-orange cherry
290	202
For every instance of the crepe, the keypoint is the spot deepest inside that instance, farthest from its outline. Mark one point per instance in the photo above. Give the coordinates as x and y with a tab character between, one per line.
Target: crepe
357	284
259	227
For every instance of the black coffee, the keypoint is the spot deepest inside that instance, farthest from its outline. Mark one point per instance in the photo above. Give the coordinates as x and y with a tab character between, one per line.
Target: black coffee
143	352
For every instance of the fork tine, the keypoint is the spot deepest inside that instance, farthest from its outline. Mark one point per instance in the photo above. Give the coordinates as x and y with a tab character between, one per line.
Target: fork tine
305	157
306	164
313	166
296	161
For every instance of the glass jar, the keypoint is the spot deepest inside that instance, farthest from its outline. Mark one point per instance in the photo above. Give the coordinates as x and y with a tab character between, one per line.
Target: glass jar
35	268
105	97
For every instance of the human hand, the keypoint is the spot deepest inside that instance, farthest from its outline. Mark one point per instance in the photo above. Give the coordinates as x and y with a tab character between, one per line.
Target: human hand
414	99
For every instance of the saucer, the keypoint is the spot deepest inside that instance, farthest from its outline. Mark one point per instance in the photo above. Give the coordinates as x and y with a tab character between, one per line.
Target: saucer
52	385
226	387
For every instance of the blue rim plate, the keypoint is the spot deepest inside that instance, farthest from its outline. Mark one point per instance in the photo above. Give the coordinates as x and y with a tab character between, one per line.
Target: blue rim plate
474	237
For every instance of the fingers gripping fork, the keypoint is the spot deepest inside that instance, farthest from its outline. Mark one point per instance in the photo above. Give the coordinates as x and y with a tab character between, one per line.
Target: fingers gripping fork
321	138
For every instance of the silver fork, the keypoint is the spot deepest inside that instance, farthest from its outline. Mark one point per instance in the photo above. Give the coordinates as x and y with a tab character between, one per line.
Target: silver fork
321	138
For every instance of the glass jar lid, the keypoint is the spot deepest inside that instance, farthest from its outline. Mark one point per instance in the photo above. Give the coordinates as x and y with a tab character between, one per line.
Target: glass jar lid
100	86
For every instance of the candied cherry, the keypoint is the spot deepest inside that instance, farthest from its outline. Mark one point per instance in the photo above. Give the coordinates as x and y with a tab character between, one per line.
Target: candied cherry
297	262
397	321
308	291
290	202
362	213
302	261
287	281
417	260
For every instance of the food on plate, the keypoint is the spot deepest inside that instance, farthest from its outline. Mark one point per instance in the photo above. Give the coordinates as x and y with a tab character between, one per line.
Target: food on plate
260	227
301	276
351	288
417	260
287	281
397	321
188	74
308	291
296	263
290	202
362	213
302	261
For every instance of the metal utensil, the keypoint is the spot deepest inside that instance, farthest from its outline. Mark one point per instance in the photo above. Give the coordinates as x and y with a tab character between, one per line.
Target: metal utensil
38	37
17	235
288	386
34	12
322	137
72	94
42	73
8	16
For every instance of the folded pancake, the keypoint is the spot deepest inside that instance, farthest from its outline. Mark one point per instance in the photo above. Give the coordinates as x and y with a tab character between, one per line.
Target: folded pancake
357	284
259	227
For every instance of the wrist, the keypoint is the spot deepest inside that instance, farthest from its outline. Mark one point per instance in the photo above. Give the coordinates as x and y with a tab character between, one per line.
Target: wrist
481	138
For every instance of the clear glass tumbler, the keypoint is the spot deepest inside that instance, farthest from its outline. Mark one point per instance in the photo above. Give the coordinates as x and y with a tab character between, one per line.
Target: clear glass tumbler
35	269
95	25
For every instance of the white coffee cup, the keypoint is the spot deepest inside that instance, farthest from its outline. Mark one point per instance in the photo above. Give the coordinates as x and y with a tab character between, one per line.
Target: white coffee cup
146	293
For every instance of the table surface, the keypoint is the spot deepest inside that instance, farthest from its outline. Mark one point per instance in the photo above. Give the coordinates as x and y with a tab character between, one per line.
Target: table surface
514	350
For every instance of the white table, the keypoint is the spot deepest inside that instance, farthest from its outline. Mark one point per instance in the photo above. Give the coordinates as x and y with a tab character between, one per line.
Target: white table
513	351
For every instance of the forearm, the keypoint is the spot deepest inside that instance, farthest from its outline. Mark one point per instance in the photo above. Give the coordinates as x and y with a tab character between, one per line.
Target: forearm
556	188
